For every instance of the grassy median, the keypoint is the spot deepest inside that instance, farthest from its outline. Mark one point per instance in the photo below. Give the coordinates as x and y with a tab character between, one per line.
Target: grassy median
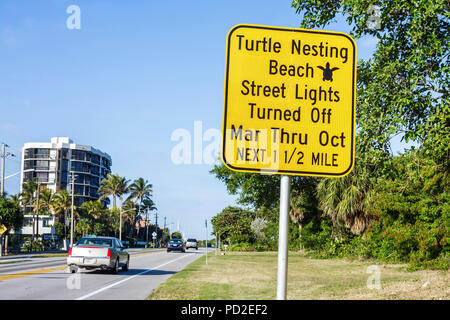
252	276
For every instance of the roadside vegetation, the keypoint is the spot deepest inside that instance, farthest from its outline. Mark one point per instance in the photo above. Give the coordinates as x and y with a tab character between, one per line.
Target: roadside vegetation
253	276
92	217
392	207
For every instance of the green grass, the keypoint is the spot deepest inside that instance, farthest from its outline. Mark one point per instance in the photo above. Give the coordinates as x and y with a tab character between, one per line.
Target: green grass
252	276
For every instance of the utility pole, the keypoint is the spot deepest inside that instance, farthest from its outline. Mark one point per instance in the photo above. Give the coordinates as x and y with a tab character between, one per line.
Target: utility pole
71	217
37	208
4	154
156	227
146	227
3	170
164	232
120	224
206	241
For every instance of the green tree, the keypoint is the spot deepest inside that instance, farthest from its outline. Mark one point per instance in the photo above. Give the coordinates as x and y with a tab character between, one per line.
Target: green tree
148	206
10	215
112	216
347	199
94	209
403	88
27	197
262	193
176	235
84	227
129	213
234	225
115	186
139	190
42	204
62	203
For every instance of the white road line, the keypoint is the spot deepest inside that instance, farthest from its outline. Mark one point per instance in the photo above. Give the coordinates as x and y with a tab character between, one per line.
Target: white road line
129	278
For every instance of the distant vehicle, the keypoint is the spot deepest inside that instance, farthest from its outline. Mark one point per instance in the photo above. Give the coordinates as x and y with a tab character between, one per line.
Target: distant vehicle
176	245
106	253
191	243
126	244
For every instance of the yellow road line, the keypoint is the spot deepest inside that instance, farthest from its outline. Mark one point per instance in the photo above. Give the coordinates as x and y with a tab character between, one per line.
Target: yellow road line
46	270
144	253
29	273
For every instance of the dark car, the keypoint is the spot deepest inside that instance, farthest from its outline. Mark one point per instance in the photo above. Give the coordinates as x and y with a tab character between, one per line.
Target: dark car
176	245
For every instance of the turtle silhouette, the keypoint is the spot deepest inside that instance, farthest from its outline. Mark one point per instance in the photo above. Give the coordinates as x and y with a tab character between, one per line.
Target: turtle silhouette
327	72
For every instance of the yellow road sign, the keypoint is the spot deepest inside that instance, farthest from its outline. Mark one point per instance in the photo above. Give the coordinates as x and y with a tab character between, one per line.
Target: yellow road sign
289	101
2	229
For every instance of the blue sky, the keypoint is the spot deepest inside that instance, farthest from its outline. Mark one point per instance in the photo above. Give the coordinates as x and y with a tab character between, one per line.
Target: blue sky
135	72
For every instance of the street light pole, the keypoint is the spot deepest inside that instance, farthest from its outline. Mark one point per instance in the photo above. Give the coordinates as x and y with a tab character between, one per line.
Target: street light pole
37	208
146	228
164	232
71	216
156	227
4	154
2	181
206	241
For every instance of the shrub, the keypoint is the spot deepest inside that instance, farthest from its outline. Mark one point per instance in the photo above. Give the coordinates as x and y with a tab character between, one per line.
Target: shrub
35	245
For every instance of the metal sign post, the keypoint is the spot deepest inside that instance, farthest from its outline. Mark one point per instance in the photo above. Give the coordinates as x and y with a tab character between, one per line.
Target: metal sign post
283	231
206	241
289	109
154	239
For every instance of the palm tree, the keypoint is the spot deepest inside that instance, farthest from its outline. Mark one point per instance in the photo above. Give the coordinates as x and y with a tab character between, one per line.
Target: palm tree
62	203
129	212
113	216
346	199
93	208
84	227
140	189
27	197
45	200
44	203
114	186
147	205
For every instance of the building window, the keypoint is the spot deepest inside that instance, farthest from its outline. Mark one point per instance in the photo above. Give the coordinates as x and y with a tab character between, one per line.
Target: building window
27	222
78	155
95	159
79	190
94	170
36	153
28	176
79	166
42	165
42	176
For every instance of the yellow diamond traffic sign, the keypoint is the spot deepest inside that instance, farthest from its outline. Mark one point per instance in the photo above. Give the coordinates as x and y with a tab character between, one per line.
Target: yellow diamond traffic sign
289	101
2	229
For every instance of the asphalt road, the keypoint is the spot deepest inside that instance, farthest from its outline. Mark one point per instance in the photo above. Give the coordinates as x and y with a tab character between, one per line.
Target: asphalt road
48	278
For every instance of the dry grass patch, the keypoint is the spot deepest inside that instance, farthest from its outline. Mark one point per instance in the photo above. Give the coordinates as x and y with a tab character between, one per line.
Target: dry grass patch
252	276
